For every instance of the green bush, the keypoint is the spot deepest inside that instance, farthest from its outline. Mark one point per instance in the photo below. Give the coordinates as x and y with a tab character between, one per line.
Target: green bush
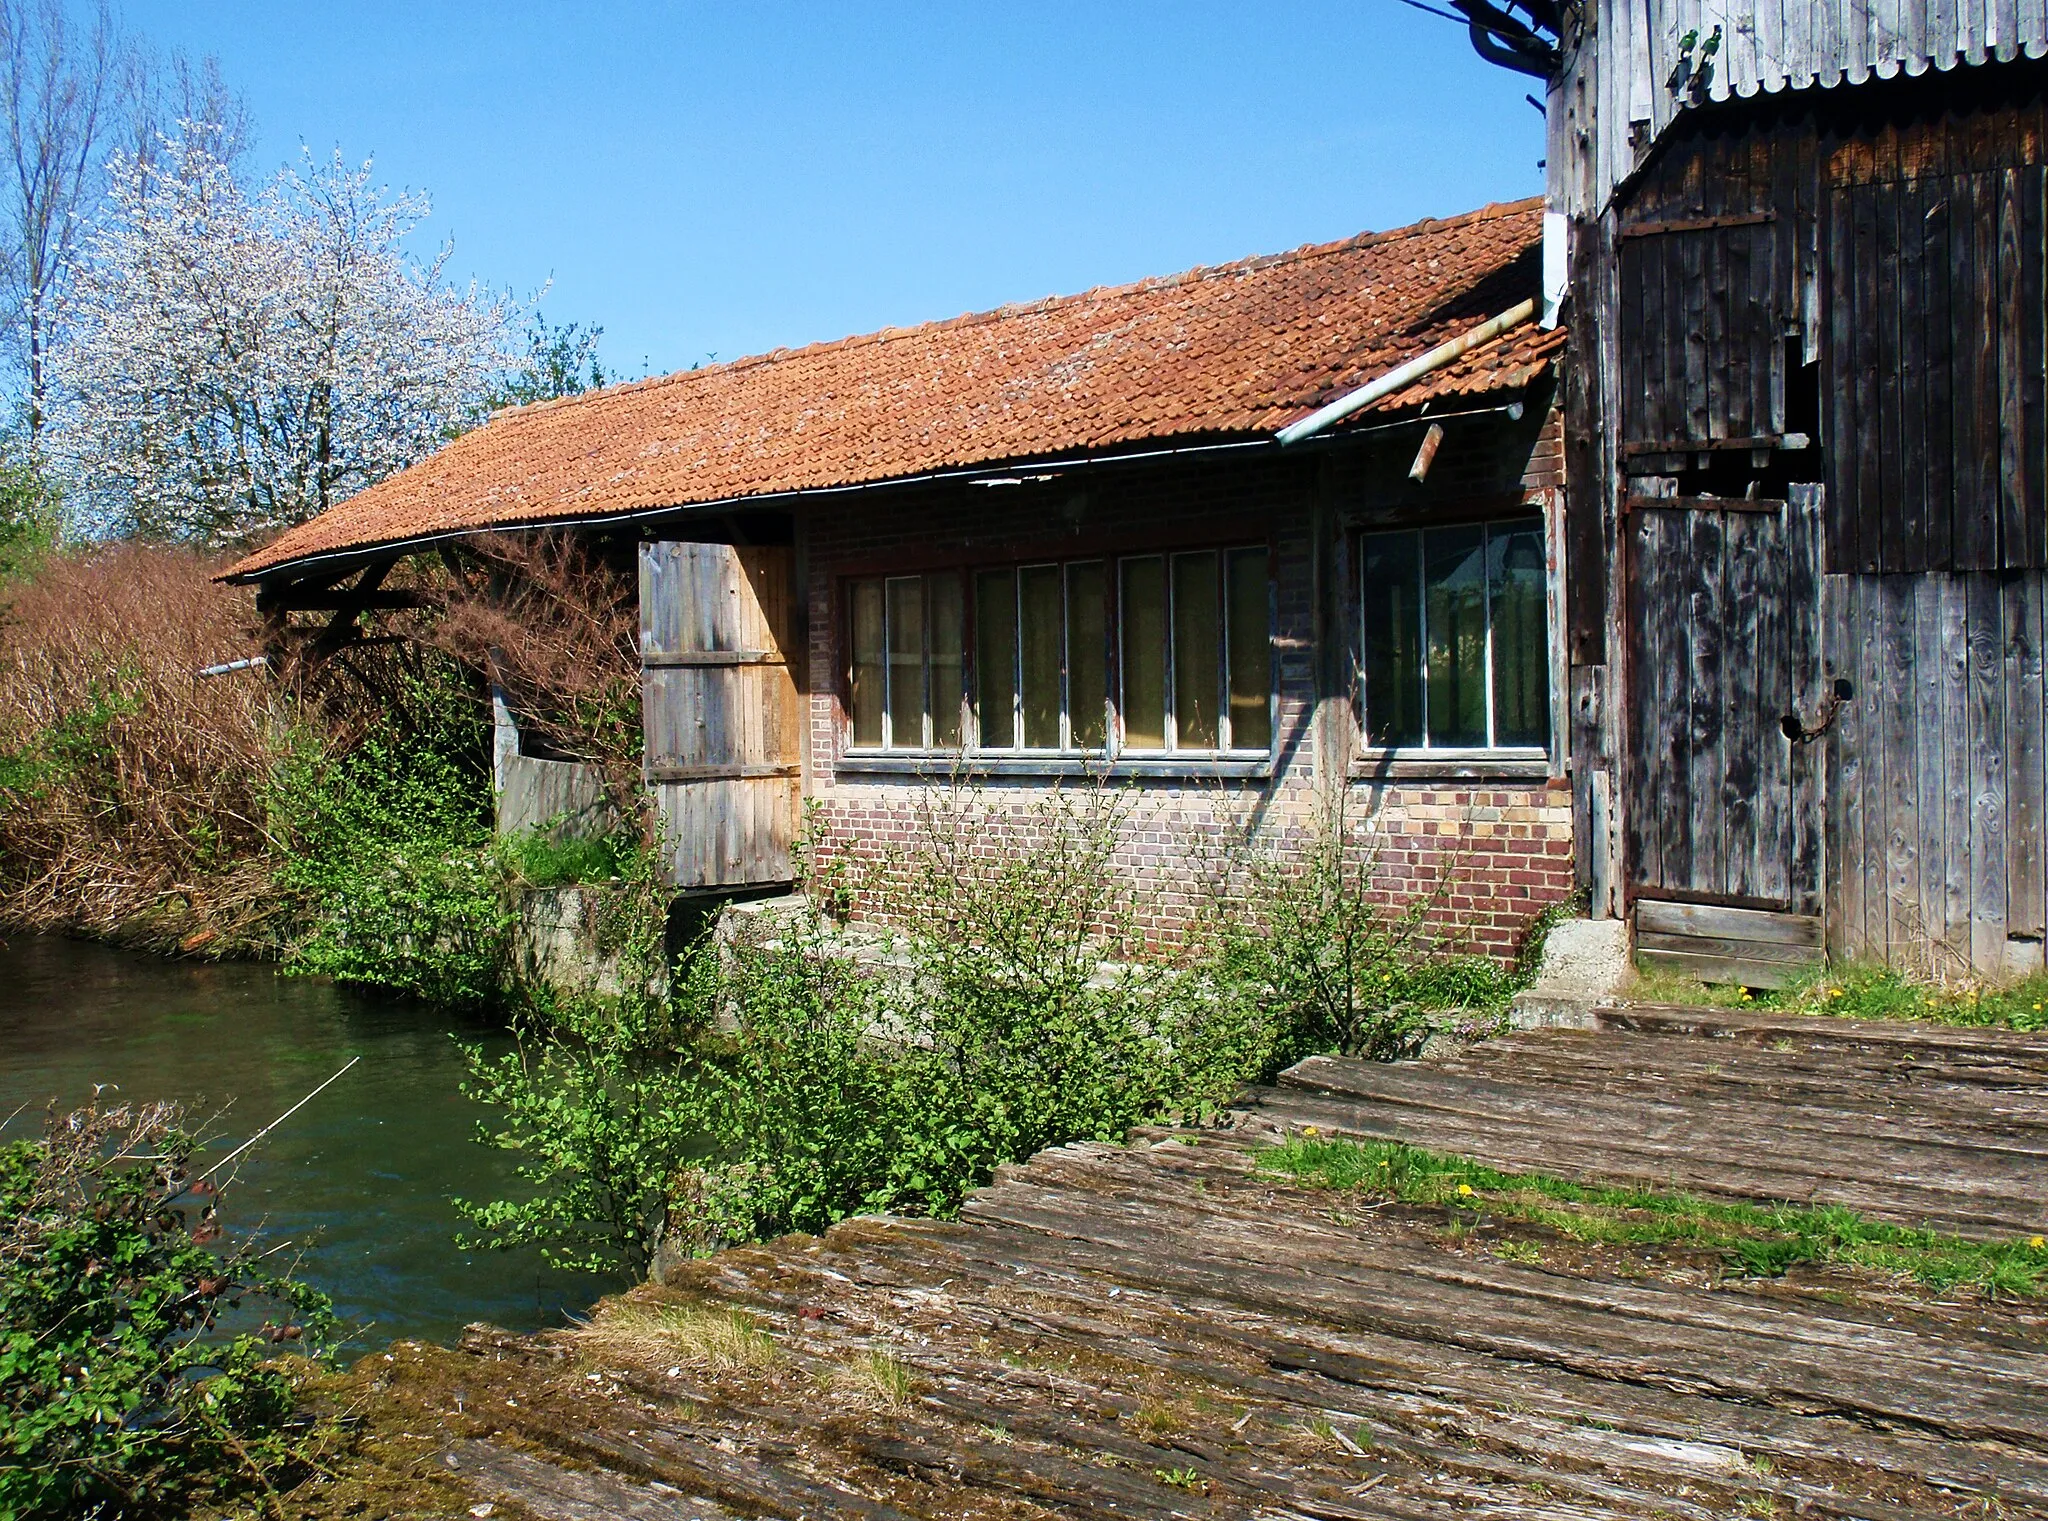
1312	936
124	1387
790	1083
388	853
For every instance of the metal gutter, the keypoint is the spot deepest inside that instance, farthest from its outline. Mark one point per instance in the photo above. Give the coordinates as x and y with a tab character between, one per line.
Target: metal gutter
1402	376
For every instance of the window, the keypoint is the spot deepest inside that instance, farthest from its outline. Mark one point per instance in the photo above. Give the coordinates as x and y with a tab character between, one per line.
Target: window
1042	657
907	685
1190	635
1197	652
1456	637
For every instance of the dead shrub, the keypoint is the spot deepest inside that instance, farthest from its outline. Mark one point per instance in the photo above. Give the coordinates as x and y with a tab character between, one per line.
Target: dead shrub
131	789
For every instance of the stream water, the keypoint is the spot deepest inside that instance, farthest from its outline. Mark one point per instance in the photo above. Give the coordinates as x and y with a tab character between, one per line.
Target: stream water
361	1176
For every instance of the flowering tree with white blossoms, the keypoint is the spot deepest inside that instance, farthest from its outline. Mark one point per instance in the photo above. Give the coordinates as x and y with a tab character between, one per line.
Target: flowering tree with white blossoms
236	362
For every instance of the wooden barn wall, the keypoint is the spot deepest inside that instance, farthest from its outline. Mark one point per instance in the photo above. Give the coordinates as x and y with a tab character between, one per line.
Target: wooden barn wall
1622	92
1937	771
1898	237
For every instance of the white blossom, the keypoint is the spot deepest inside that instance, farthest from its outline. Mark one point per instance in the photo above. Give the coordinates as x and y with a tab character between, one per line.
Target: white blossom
236	362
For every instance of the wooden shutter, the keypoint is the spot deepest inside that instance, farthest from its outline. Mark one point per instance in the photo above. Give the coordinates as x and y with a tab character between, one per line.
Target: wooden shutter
719	705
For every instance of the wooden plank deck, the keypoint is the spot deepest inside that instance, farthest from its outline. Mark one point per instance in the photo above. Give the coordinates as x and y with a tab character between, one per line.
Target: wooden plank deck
1160	1330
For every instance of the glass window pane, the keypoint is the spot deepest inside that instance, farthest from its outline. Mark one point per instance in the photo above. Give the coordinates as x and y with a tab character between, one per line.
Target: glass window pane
866	695
946	662
1251	652
995	657
1087	656
1197	643
1455	622
1042	635
906	662
1521	647
1142	625
1392	583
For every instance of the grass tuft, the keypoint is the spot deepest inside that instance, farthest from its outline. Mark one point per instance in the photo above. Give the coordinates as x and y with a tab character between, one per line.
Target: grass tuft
1858	991
718	1341
877	1376
1753	1240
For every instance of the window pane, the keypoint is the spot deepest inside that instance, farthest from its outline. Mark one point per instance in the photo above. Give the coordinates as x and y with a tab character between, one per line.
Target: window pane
1087	656
995	657
1142	624
1197	645
867	662
1392	638
906	662
1456	625
947	634
1043	634
1521	650
1251	653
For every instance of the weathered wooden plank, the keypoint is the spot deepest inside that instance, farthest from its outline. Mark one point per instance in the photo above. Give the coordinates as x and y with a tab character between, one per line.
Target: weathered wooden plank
1913	508
1753	676
2026	754
1795	622
1977	415
1894	508
1898	610
1707	613
1845	779
1959	770
1937	222
1655	916
1931	774
2018	516
1987	776
1866	438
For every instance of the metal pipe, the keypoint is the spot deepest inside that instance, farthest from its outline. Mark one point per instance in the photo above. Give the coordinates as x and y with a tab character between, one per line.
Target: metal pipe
1407	374
232	666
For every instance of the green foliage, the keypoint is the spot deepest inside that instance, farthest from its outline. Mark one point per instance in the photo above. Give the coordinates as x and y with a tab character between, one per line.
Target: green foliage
29	515
1756	1240
388	853
791	1082
603	1101
560	361
1316	938
536	860
132	1377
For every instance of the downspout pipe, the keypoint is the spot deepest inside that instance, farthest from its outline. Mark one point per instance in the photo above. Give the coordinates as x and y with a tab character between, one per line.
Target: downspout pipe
1402	376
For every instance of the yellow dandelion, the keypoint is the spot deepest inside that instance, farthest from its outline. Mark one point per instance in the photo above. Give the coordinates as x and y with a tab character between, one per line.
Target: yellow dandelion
1834	992
2037	1242
1310	1130
1465	1190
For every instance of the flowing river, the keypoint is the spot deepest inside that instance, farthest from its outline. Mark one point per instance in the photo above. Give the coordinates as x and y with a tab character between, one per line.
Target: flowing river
361	1177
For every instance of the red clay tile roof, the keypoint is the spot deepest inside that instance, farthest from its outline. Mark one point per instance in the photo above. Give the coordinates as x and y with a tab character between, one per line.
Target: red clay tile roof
1239	349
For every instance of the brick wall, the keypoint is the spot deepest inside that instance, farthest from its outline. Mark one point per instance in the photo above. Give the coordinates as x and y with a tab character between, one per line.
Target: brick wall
1495	853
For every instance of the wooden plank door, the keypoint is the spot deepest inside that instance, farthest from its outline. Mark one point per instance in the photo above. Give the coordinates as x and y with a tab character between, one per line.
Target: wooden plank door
719	707
1725	696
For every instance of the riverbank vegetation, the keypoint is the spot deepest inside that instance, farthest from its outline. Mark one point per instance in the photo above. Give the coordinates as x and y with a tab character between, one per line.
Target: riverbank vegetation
138	1341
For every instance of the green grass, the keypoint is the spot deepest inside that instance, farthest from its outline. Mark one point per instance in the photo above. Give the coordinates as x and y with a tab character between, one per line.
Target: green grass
1753	1240
1869	992
539	861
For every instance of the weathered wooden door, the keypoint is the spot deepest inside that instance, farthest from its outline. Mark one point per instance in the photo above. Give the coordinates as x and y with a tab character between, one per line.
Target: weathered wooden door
1724	824
719	705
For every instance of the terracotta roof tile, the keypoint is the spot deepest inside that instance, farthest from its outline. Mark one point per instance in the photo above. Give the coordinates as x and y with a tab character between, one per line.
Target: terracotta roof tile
1242	348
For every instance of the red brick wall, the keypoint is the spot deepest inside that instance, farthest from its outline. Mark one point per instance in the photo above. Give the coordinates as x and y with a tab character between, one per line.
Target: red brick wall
1496	852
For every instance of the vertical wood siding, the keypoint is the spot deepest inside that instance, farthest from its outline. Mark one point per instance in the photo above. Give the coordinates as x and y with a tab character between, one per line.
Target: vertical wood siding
1722	646
1938	770
720	710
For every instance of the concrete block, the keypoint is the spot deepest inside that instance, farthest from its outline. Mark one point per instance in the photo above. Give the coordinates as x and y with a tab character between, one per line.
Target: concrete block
1588	958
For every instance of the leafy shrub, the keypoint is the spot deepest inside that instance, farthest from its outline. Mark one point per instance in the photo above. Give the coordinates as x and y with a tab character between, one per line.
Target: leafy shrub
123	1388
1343	967
792	1082
388	852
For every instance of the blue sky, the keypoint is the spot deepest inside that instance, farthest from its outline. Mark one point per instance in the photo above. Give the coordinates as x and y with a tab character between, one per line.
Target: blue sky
719	180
